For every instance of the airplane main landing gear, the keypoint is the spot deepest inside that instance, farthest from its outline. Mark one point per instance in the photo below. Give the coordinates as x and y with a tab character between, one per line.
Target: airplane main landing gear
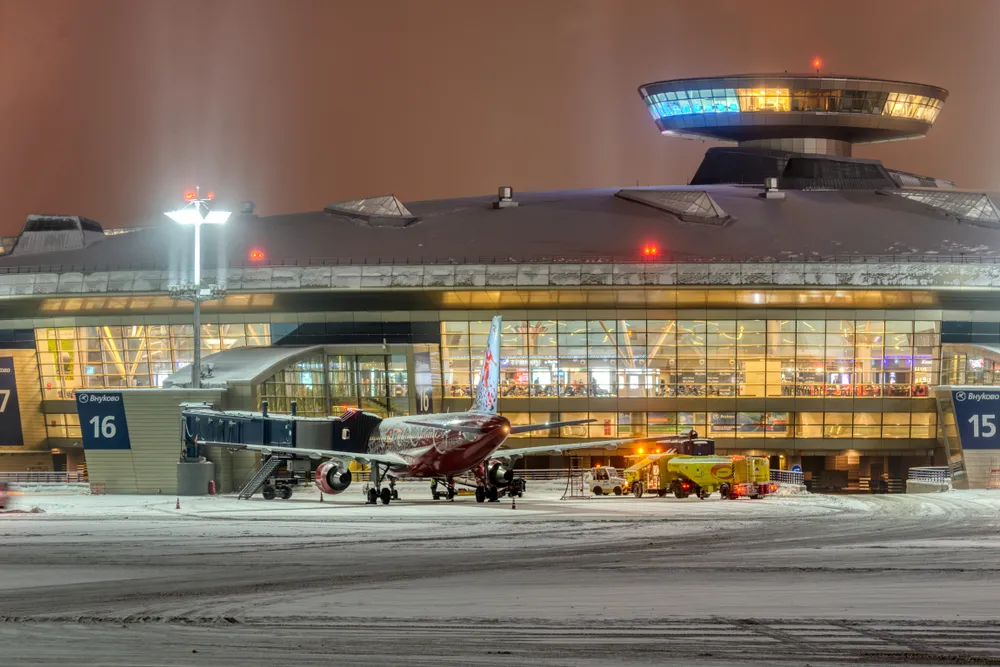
376	491
480	494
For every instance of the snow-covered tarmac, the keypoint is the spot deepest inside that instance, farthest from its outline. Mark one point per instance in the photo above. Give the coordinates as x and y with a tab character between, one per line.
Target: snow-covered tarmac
129	580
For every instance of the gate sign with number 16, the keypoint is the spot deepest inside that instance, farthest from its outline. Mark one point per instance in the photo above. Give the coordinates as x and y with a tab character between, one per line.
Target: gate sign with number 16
102	420
977	413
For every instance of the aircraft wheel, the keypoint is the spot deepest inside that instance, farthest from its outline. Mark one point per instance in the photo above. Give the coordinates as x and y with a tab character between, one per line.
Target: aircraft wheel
267	492
598	491
386	495
451	494
480	494
372	496
493	494
637	489
618	490
395	494
285	492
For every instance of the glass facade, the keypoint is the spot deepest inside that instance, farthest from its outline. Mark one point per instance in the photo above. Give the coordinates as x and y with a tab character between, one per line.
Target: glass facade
698	358
740	425
749	100
114	357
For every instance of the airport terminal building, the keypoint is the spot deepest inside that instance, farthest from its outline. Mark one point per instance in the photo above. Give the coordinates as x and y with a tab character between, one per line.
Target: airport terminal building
791	300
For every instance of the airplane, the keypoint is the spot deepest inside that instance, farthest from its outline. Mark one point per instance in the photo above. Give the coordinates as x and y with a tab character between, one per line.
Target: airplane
435	446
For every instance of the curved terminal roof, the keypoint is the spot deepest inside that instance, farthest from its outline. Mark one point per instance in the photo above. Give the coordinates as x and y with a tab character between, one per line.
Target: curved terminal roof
755	107
585	225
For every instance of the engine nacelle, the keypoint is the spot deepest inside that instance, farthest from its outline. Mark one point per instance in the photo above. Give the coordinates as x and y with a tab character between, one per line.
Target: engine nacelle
498	474
333	477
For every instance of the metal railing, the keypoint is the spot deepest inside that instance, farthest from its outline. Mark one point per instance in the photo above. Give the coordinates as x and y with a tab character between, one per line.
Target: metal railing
43	477
787	477
492	260
935	474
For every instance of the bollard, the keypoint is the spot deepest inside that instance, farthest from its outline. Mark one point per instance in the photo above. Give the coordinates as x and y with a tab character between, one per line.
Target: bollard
211	487
178	505
513	501
321	496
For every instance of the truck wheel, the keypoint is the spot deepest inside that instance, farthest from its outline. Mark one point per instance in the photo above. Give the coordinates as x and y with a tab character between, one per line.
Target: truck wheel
661	492
267	492
724	491
480	494
677	489
637	489
286	492
618	490
701	494
598	491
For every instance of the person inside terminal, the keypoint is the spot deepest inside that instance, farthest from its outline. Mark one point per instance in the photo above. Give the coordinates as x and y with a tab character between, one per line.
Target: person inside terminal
798	303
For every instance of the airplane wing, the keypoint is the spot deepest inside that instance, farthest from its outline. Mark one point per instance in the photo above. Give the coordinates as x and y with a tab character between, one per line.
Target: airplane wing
267	450
516	453
525	428
447	427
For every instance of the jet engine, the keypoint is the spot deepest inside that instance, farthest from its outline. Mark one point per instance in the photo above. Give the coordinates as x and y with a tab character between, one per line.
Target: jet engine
498	474
333	477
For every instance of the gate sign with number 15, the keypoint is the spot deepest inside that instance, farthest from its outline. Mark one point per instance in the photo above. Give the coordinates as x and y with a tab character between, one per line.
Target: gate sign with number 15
977	413
102	420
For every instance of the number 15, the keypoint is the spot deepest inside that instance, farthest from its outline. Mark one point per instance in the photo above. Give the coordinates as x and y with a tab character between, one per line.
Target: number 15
988	427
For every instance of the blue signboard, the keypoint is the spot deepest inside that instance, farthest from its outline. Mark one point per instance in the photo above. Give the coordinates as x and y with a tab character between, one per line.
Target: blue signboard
10	411
796	468
976	414
102	420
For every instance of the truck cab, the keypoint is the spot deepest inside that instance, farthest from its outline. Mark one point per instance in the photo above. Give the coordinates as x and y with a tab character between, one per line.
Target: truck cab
602	481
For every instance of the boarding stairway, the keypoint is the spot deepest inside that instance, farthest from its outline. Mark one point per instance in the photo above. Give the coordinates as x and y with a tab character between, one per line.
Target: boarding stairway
257	481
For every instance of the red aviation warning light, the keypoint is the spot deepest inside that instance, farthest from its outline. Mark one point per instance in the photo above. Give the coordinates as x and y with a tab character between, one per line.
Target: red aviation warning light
650	250
817	63
256	255
190	195
210	196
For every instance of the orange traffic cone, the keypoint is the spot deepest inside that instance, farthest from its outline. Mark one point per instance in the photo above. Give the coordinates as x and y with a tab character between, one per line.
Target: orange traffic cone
178	505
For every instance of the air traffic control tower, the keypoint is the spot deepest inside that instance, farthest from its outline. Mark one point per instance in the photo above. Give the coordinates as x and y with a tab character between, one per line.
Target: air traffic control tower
798	128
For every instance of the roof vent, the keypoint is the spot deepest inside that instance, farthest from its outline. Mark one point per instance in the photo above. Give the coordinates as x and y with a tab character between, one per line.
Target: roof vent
384	211
974	207
688	205
505	197
771	190
53	233
247	208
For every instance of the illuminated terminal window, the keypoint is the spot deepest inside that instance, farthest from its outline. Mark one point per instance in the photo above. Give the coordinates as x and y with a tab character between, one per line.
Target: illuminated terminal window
736	100
738	425
72	358
698	358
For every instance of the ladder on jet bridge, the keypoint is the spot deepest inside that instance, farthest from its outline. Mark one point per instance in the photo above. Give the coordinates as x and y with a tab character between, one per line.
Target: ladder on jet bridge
257	481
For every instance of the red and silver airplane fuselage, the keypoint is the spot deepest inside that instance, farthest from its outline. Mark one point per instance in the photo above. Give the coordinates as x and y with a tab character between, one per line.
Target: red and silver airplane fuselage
436	452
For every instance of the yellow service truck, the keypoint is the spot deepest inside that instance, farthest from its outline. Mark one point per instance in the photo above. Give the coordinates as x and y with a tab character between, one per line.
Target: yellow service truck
684	475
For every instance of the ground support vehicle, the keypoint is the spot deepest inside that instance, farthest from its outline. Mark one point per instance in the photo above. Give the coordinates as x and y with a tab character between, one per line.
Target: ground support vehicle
603	481
683	475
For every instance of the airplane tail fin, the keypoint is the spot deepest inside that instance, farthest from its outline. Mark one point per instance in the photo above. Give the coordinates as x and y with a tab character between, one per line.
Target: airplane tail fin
489	379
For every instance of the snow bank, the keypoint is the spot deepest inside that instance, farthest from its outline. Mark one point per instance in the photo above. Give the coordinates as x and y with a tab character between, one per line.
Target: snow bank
51	488
786	489
921	486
